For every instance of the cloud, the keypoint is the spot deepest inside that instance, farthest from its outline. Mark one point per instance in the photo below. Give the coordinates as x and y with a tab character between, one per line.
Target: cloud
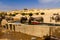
49	1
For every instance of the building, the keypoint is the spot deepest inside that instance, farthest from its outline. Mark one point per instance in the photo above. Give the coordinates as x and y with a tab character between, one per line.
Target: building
45	13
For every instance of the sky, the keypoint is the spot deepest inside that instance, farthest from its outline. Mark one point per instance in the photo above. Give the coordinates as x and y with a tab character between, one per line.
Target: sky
7	5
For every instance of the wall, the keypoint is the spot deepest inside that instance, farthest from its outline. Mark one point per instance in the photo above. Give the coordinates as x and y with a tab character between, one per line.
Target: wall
35	30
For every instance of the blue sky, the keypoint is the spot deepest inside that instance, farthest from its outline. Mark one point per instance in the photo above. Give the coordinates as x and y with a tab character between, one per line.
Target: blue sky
20	4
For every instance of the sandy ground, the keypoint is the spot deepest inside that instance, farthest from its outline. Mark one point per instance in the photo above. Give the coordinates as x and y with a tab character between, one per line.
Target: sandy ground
17	36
